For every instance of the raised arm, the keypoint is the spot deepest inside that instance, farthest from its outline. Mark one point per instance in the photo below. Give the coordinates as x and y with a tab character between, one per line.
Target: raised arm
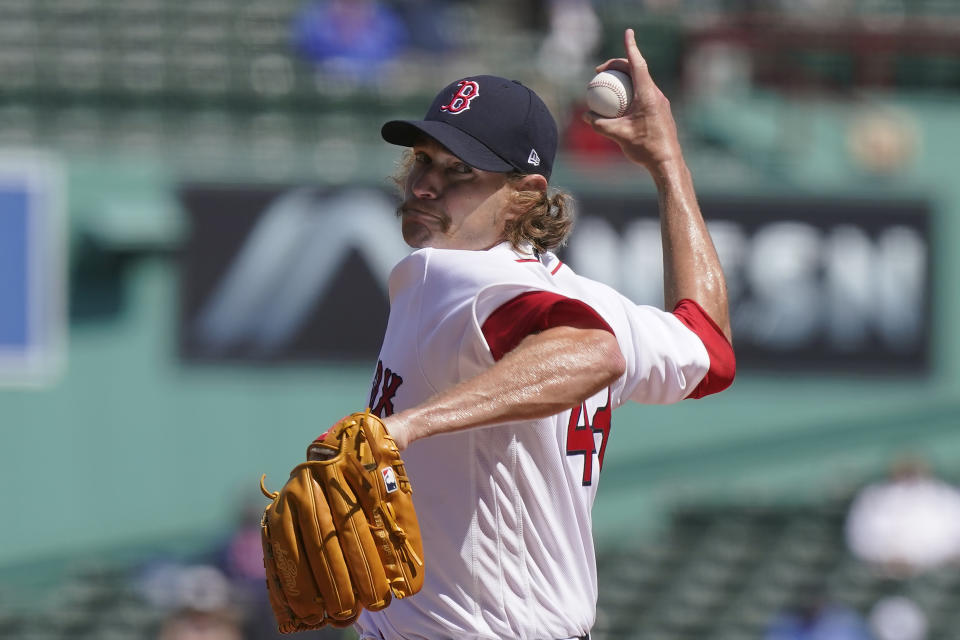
647	134
546	373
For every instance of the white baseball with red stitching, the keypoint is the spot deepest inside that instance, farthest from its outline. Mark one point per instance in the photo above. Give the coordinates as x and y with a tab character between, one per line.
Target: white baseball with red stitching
609	93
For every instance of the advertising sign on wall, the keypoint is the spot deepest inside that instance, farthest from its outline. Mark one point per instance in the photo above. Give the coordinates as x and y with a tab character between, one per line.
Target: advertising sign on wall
814	284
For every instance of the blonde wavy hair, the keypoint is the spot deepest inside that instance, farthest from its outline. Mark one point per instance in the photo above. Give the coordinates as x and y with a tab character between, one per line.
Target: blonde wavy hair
545	219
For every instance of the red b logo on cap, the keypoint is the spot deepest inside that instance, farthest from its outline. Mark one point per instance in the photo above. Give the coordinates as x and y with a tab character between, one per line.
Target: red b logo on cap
467	90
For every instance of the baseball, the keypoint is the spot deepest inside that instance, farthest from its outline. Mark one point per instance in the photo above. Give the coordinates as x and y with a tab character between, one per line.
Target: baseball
609	93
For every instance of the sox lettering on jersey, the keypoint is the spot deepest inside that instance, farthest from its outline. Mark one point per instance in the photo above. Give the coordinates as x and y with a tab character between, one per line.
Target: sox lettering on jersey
385	385
580	438
467	90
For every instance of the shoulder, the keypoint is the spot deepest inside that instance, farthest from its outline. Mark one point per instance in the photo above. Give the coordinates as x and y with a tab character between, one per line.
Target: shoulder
467	263
407	273
460	268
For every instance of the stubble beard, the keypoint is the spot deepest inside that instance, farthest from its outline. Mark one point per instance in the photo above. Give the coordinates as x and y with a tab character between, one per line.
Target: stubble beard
415	232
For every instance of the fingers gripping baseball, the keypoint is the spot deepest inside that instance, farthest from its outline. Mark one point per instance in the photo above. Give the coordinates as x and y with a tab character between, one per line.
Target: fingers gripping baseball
647	132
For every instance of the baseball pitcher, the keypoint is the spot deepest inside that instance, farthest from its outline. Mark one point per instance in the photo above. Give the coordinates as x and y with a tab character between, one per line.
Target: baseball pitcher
501	367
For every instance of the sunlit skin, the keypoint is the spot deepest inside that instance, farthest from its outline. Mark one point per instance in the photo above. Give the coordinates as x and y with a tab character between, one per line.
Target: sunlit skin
647	134
450	205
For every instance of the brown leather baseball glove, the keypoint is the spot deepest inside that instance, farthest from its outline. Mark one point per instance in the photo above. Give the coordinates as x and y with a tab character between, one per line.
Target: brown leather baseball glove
342	535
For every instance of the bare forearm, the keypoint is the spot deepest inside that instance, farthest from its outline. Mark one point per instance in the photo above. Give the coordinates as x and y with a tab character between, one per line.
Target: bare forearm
547	373
647	134
691	267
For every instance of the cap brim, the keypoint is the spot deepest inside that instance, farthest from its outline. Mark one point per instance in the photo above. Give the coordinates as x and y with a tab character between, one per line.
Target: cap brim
406	133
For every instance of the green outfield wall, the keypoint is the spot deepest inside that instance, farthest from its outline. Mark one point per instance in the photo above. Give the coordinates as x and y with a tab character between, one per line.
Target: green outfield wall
133	446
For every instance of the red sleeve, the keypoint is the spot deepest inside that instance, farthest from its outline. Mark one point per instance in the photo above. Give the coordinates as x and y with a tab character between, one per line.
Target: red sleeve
723	364
533	312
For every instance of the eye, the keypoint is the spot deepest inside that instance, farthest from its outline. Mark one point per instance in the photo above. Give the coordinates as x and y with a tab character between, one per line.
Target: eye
421	158
459	167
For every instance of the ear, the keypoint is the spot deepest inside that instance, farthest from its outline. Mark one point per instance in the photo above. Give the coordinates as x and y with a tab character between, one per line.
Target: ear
532	182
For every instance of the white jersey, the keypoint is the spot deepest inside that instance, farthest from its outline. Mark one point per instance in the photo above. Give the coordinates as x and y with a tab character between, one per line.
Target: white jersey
504	511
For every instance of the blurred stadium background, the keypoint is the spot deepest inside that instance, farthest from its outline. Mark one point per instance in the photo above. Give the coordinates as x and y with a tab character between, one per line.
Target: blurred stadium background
189	191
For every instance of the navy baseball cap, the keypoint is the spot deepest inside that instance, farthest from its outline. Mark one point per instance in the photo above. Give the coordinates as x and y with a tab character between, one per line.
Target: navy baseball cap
489	122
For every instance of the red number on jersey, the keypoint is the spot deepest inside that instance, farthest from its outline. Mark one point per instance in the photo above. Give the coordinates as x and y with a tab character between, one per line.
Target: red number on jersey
580	440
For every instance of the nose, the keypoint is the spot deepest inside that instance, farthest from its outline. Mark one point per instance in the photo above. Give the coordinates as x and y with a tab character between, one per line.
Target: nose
425	183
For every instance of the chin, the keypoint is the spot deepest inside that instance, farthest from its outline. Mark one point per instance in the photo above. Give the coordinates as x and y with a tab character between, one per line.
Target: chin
416	235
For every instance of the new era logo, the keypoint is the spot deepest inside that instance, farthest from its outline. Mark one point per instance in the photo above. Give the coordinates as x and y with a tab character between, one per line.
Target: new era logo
389	479
533	158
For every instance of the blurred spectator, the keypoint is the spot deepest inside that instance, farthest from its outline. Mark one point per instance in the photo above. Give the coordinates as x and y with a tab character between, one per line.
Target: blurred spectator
171	586
191	624
350	38
240	558
907	524
898	618
571	41
818	620
431	24
198	601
